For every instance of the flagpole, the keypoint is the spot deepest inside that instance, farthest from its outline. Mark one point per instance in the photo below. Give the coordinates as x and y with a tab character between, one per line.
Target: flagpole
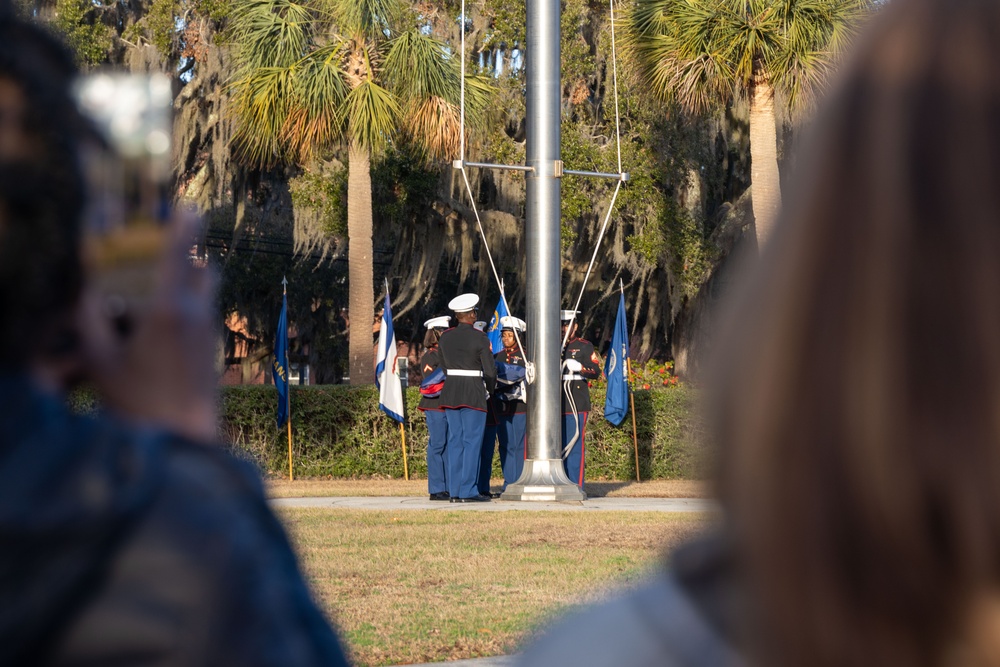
291	476
406	472
635	436
288	394
631	396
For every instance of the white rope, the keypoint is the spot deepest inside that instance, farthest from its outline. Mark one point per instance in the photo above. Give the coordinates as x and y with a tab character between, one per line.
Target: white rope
568	390
461	149
614	76
496	276
618	146
607	217
590	267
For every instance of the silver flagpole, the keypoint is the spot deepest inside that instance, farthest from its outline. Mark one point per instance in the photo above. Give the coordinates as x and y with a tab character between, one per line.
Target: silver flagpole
544	477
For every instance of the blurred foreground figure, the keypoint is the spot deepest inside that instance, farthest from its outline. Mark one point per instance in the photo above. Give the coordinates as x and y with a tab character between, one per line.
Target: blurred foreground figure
125	539
858	403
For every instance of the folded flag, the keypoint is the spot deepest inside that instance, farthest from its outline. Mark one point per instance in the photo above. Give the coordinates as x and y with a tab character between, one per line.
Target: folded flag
432	385
509	373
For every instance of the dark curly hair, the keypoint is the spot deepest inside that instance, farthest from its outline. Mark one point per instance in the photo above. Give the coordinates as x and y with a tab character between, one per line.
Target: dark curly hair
41	197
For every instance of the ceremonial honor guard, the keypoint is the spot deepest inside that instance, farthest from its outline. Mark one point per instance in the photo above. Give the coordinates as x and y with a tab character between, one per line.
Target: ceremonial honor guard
580	363
437	424
512	411
470	378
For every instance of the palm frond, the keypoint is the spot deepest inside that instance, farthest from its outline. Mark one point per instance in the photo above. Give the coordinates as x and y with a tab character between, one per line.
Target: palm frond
374	19
270	33
370	115
261	106
434	126
419	66
319	92
702	52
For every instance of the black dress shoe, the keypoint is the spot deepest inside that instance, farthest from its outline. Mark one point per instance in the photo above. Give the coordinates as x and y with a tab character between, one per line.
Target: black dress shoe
441	495
473	499
496	494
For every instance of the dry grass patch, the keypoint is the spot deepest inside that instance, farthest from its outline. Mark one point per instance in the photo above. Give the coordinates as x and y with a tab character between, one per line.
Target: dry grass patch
660	488
408	587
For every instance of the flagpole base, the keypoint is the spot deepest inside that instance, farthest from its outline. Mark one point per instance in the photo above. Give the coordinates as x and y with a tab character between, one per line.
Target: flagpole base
544	480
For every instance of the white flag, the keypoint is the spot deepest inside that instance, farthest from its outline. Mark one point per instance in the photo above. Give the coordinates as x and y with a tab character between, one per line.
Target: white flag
390	389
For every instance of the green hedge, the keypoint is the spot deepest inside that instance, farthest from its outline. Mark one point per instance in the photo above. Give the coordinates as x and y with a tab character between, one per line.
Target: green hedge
338	431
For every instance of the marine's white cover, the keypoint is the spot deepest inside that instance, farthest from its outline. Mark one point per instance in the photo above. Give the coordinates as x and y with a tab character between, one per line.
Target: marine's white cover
463	303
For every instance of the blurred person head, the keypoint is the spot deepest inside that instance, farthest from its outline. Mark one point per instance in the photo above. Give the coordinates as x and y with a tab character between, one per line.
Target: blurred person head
859	405
41	193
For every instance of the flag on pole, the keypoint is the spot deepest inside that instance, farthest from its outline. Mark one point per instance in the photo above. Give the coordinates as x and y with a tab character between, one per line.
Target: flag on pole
616	369
279	369
390	389
493	331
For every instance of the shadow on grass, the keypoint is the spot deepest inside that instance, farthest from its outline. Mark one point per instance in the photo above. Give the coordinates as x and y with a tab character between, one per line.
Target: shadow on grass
602	489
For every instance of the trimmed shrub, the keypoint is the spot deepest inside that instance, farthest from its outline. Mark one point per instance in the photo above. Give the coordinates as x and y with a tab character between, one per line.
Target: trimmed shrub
338	431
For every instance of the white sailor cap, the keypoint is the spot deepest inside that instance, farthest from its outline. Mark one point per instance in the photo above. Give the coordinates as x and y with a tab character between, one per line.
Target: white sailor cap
442	322
480	325
567	315
510	322
463	303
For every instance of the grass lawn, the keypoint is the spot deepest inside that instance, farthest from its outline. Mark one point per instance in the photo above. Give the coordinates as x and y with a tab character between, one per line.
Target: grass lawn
408	587
660	488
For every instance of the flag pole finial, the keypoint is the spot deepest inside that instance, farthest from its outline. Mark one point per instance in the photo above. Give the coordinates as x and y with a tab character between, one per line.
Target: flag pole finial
284	285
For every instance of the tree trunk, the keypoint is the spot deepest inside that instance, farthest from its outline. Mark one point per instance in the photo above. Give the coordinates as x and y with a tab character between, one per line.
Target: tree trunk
764	181
361	291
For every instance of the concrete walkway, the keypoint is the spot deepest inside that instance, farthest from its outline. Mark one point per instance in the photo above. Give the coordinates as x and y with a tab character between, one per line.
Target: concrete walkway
393	503
496	661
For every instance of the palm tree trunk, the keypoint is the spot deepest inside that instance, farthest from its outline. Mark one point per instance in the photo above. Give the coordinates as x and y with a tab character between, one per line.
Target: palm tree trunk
361	290
765	183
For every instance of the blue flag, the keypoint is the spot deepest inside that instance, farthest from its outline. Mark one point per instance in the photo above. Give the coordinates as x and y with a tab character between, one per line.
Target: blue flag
279	369
390	387
493	331
616	370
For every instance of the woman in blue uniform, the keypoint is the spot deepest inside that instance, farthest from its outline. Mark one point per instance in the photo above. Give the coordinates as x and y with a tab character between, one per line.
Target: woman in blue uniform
437	425
512	411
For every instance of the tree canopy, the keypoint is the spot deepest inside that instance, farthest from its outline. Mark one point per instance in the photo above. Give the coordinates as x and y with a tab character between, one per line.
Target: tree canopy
271	95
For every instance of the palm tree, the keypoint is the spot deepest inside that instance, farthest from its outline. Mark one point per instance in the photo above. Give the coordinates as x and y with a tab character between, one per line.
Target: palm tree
705	52
315	74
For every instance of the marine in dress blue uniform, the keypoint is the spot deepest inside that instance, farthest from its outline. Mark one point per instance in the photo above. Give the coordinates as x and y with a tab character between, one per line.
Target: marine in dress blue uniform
512	413
437	424
471	377
580	364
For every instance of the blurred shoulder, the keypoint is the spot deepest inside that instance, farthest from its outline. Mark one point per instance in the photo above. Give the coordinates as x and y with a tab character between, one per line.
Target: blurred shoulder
652	625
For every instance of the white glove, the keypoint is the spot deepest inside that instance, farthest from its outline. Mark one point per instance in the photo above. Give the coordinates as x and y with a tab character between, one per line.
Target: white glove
572	365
